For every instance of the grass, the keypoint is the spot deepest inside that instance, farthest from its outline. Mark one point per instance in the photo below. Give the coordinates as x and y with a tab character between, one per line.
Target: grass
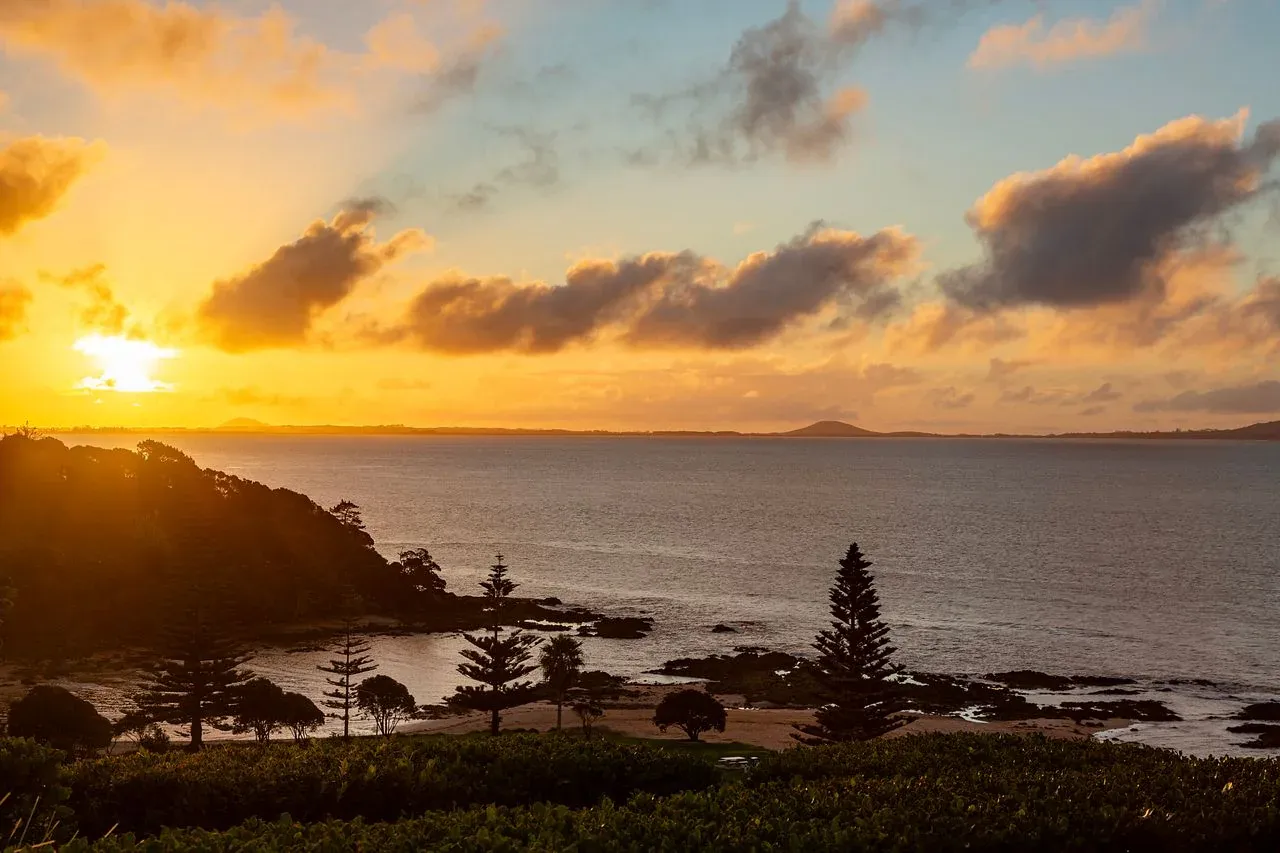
711	750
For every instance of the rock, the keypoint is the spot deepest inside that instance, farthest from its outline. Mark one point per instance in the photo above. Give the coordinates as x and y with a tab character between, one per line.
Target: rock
541	626
724	629
1268	737
1260	711
551	602
618	628
1140	710
1031	679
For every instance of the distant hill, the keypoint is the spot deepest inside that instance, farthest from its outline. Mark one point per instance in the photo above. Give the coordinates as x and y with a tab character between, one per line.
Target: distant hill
243	425
831	429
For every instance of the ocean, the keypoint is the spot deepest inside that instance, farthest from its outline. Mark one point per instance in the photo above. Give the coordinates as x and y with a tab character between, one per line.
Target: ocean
1156	560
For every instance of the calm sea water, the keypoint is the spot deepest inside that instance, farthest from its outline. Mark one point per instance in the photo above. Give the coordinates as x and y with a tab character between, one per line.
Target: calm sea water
1155	560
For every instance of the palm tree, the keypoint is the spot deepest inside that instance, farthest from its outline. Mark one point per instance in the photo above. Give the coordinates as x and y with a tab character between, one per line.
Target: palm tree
561	662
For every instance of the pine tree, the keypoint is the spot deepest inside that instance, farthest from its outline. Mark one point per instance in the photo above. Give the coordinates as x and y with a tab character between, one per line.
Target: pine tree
194	682
352	660
854	663
497	663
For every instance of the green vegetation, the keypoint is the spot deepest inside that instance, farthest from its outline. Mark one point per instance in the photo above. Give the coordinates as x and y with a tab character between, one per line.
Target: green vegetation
375	779
936	792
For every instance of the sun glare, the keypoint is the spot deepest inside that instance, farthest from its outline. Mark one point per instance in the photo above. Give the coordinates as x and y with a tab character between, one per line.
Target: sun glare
125	365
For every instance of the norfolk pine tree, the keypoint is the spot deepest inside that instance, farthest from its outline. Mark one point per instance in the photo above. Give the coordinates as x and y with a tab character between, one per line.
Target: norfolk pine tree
497	663
352	660
854	663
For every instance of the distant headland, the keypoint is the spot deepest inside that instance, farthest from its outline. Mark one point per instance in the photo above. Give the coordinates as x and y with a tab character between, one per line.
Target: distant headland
1268	431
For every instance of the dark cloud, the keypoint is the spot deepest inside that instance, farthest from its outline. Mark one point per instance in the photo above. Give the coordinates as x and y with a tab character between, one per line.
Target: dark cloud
461	73
951	398
274	303
35	174
1031	396
101	312
1261	398
1093	411
540	169
1109	229
1103	394
1001	369
663	299
13	311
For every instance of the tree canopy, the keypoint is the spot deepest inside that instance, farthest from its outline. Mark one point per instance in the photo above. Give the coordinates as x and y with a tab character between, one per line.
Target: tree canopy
691	711
92	541
55	716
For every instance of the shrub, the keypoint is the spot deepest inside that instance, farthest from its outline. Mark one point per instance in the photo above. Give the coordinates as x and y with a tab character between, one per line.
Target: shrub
32	789
691	711
377	780
55	716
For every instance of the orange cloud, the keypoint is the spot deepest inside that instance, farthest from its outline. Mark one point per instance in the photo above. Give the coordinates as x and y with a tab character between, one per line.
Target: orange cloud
35	173
1066	41
13	311
208	55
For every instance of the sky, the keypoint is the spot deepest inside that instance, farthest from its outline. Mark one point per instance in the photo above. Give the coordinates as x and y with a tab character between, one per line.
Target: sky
952	215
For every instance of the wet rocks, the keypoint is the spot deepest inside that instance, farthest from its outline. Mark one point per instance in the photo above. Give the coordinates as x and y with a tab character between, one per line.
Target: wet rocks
1268	712
1031	679
1267	736
724	629
618	628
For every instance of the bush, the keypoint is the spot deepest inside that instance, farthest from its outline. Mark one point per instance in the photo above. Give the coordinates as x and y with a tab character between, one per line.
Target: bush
31	788
376	780
1085	797
691	711
59	718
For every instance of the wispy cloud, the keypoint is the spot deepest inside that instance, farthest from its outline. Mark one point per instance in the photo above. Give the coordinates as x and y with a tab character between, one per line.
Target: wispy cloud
1066	41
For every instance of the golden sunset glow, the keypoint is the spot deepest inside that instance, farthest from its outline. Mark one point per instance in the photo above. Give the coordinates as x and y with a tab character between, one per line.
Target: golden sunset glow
125	366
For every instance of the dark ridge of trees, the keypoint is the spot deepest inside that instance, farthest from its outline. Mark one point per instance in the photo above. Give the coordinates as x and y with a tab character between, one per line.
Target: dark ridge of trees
691	711
497	663
855	663
258	708
422	572
351	660
56	717
198	673
90	538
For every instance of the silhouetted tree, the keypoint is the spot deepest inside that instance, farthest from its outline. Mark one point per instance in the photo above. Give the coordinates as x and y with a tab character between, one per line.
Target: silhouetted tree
854	666
422	571
194	683
348	514
352	661
259	708
8	595
561	662
385	701
55	716
498	663
300	715
588	709
133	726
691	711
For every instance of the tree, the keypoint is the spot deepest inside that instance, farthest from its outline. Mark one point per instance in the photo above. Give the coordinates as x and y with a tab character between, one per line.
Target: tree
259	708
56	717
498	663
691	711
561	662
195	680
348	514
352	660
300	715
8	594
854	666
588	710
422	571
385	701
133	726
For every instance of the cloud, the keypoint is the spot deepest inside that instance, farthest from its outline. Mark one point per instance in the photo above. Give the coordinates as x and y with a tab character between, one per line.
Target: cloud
1110	228
951	398
36	173
102	313
253	396
275	303
539	169
776	93
664	300
211	56
13	311
1104	393
934	325
1261	398
1001	370
460	73
1066	41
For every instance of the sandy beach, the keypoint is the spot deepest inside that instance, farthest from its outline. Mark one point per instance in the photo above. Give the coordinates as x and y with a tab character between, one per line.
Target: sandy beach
769	728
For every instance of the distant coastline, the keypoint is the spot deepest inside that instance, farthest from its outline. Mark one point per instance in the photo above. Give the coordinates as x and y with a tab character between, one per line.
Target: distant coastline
1267	431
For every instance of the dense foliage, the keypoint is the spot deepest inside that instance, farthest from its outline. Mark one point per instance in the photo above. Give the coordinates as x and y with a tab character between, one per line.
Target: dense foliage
374	779
57	717
32	789
95	542
955	792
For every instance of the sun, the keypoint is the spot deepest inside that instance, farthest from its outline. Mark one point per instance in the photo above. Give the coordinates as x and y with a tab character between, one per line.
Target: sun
125	365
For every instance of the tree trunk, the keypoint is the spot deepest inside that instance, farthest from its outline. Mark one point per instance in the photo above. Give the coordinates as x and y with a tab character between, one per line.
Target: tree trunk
559	713
197	733
495	721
